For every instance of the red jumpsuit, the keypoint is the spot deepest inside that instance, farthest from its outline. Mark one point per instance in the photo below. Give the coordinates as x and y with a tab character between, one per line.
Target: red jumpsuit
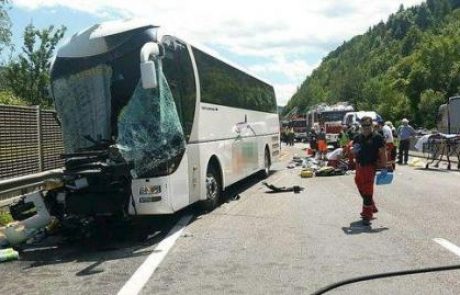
367	158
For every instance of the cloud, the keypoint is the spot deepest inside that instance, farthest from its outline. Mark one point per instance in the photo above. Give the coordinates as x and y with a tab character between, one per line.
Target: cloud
284	92
276	32
294	70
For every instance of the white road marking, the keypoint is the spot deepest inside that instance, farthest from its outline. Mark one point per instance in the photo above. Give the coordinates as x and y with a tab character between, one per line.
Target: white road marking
138	280
448	245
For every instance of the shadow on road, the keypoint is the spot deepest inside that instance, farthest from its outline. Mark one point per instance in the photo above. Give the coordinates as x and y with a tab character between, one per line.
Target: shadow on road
432	170
124	241
357	228
441	170
117	241
234	190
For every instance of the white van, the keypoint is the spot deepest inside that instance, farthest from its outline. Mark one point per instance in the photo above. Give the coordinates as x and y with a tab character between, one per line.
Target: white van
354	118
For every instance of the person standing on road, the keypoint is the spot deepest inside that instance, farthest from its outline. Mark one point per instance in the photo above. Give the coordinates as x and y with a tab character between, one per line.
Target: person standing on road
312	140
405	132
291	136
387	134
286	135
369	149
393	129
322	144
343	137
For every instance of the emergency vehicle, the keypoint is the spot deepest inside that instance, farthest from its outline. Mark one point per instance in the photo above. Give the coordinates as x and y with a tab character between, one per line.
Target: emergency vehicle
328	117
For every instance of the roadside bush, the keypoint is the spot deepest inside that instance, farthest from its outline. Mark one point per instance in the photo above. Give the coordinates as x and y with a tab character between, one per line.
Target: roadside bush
6	97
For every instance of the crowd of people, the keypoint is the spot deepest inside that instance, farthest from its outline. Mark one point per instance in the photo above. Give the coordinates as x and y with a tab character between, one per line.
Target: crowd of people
372	145
392	136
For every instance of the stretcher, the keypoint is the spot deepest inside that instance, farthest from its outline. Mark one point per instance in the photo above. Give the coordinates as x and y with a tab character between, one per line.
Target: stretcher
436	146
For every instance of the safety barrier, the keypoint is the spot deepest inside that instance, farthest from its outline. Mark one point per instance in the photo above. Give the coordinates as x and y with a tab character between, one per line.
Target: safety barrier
11	189
30	141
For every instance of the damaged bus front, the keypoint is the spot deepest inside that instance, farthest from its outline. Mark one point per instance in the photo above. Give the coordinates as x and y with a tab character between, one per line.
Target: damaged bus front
119	120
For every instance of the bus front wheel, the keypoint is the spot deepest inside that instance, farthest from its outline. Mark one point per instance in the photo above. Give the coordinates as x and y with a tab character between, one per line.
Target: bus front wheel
213	190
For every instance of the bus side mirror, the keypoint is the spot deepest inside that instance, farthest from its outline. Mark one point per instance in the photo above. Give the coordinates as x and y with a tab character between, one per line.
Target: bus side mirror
149	51
149	75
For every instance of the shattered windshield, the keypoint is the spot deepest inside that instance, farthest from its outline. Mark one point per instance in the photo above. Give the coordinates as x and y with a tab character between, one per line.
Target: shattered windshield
150	134
105	104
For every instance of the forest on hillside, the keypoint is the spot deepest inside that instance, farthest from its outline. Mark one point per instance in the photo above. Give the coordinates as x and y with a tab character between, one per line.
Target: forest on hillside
404	67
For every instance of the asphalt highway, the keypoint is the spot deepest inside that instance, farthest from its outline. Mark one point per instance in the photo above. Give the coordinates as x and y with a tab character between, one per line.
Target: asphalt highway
268	243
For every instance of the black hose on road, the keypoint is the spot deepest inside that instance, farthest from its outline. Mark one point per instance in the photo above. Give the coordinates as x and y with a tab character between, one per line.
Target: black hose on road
384	275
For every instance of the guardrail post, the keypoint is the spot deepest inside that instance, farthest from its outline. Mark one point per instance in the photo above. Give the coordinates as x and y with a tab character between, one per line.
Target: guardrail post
39	140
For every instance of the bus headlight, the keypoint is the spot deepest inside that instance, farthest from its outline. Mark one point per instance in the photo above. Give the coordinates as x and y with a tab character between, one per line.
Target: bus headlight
150	190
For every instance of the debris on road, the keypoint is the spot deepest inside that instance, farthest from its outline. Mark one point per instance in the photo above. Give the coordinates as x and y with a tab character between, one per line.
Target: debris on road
307	173
8	254
296	189
317	167
31	217
416	163
329	171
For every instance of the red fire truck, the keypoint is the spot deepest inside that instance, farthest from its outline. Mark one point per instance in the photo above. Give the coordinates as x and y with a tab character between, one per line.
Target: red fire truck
330	118
299	124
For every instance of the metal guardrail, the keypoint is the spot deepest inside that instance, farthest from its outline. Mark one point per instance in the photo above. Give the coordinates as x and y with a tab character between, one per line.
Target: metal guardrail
11	188
30	141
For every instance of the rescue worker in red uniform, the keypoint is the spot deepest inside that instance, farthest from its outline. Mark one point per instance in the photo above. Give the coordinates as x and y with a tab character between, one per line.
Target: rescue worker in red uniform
369	149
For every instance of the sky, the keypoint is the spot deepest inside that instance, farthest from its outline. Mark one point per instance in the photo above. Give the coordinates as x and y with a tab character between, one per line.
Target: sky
279	41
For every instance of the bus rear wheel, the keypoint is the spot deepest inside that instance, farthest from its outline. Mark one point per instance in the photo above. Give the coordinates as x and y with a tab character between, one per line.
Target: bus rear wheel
213	190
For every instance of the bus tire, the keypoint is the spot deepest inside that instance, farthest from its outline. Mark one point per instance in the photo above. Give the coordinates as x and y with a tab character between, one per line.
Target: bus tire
267	164
213	189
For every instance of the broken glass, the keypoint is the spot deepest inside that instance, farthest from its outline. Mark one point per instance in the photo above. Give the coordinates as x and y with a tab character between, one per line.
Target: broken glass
150	135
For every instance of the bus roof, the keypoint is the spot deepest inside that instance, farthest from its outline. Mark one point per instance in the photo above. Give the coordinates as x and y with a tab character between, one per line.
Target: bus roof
91	38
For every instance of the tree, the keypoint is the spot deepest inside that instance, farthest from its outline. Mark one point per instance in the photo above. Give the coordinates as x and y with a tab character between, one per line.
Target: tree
424	18
411	40
28	76
455	3
401	68
5	25
430	101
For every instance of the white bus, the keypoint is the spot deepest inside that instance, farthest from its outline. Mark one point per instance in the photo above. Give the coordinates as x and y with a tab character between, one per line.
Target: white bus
152	124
